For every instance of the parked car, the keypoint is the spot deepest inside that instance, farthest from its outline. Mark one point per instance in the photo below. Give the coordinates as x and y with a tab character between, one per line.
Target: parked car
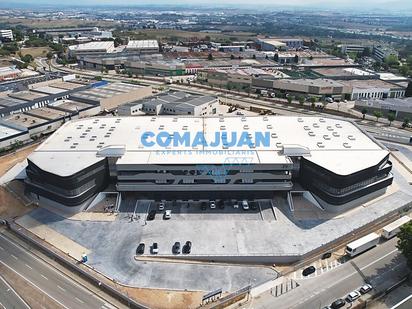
245	205
161	206
155	248
203	206
151	215
176	248
308	270
236	204
365	288
167	215
212	204
187	247
140	248
339	303
326	255
352	296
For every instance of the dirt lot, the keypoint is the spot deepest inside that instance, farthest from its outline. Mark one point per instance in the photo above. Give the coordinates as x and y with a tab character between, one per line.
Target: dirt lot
160	299
35	51
8	161
167	34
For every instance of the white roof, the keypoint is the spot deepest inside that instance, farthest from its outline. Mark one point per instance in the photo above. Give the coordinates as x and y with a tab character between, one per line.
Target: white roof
327	142
101	45
142	44
395	224
361	241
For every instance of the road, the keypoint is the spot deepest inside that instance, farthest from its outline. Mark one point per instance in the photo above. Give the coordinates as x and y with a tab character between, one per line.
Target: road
9	297
381	267
46	279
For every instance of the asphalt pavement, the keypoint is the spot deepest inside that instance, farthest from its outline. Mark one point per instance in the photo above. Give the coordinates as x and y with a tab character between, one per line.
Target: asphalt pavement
9	297
46	279
382	267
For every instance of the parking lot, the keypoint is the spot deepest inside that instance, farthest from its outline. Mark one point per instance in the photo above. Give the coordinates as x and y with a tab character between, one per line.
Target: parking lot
131	207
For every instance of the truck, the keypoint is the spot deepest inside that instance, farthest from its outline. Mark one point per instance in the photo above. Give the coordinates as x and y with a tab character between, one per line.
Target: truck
362	244
393	228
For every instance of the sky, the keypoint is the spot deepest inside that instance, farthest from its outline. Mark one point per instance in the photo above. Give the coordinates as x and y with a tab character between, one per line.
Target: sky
393	5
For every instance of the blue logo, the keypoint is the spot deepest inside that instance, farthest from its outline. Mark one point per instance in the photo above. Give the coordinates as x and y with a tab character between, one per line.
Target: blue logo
218	139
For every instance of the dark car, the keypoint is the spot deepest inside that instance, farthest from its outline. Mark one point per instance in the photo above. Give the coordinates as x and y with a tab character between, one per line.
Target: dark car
221	204
140	248
326	255
253	205
187	247
339	303
308	270
203	205
151	215
176	248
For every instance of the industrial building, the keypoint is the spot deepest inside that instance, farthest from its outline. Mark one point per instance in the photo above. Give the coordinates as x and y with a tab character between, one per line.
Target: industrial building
208	157
372	89
273	44
110	96
401	108
351	48
172	103
143	46
9	73
91	48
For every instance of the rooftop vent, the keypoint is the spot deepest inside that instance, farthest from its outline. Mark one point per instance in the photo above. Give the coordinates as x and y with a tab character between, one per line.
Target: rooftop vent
351	137
347	145
335	134
306	128
245	127
329	128
320	145
311	133
316	125
300	119
321	120
279	144
222	127
265	118
273	135
338	125
269	126
326	137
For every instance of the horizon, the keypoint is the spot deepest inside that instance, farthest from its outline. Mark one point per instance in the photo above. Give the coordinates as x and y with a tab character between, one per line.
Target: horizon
401	6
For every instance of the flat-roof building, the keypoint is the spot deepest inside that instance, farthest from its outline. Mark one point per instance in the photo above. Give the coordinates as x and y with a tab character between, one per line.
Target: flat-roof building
92	48
372	89
401	108
110	96
172	103
143	46
208	157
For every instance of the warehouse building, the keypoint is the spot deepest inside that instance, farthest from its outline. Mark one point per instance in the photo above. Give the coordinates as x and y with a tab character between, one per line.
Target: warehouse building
91	48
143	46
401	108
198	160
172	103
110	96
372	89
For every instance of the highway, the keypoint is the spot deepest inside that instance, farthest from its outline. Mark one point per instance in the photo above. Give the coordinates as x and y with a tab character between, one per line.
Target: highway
47	280
9	297
382	267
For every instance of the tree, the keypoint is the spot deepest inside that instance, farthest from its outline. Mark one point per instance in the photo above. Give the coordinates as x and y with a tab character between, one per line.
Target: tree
210	57
27	58
392	60
276	57
289	99
405	122
366	52
377	114
391	117
313	99
232	57
254	56
364	112
296	59
301	100
405	242
49	55
408	91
